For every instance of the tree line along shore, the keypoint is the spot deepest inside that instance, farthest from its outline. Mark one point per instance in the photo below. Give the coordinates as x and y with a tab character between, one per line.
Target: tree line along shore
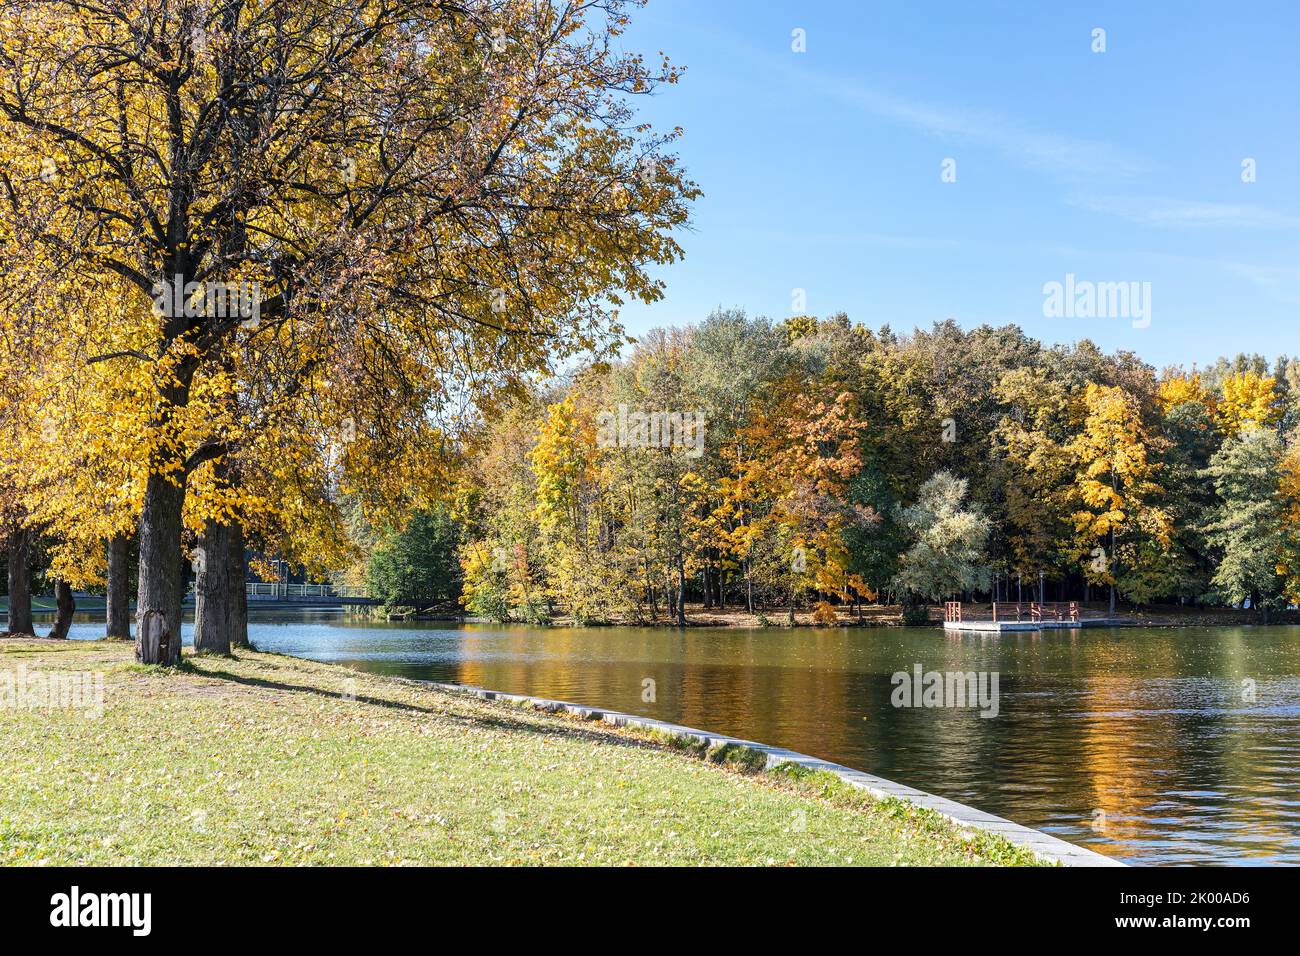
818	467
823	473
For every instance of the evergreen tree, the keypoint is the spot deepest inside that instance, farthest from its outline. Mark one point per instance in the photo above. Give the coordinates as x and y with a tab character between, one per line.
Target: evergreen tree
416	567
1245	526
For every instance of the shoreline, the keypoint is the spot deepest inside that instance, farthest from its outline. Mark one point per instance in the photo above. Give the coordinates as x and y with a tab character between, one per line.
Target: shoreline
702	618
290	761
698	617
1046	847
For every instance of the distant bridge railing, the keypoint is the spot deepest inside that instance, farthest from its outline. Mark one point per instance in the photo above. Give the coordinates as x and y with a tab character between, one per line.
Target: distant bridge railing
283	591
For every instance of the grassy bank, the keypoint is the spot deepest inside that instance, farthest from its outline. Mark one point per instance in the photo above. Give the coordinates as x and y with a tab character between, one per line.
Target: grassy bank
273	760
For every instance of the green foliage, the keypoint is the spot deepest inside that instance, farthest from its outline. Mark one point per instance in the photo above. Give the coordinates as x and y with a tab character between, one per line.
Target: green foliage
417	566
915	614
1189	429
491	604
1245	525
948	539
739	757
840	463
875	549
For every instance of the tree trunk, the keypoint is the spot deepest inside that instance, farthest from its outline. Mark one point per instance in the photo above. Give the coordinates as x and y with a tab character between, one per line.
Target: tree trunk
66	608
652	596
20	582
183	585
1112	567
238	566
158	601
119	591
212	599
681	591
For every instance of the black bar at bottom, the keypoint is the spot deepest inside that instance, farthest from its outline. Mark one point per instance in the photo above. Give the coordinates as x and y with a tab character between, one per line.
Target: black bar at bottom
216	905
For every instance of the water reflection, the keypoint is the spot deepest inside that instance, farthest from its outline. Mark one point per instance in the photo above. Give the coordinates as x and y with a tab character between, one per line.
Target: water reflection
1136	742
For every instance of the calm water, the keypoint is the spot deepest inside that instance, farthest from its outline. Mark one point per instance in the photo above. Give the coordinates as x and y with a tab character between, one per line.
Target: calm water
1135	742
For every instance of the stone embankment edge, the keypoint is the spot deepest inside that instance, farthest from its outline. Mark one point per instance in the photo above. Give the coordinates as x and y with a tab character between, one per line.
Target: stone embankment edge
1044	846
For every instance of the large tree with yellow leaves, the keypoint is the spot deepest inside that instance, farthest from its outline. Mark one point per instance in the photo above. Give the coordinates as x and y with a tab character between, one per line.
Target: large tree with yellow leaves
1122	531
414	205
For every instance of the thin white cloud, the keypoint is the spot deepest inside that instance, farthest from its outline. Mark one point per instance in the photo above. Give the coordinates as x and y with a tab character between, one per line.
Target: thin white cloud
1030	148
1187	214
1021	144
1071	157
1281	282
852	238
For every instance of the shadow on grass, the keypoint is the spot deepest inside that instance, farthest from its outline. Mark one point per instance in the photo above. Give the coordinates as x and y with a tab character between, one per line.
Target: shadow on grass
553	727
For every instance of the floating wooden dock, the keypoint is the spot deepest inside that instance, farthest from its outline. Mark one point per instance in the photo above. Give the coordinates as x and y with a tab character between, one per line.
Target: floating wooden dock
1000	617
1003	627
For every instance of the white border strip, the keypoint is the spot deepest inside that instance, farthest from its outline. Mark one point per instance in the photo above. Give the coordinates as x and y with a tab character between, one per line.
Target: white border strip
1041	844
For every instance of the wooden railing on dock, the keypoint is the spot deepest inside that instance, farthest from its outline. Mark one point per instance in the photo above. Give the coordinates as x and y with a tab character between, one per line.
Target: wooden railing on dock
1033	611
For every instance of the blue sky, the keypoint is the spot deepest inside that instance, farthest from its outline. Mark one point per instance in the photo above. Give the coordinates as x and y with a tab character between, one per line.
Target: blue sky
821	170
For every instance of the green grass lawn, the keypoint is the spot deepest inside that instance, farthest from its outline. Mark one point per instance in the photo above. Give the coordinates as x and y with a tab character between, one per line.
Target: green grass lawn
267	759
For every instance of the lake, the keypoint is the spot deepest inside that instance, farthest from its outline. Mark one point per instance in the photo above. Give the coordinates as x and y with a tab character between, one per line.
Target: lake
1153	745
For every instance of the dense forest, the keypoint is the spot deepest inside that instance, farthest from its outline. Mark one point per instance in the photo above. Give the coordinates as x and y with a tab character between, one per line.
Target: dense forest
817	463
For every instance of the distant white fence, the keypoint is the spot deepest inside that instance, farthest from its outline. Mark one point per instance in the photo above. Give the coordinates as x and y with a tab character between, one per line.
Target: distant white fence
279	591
282	591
